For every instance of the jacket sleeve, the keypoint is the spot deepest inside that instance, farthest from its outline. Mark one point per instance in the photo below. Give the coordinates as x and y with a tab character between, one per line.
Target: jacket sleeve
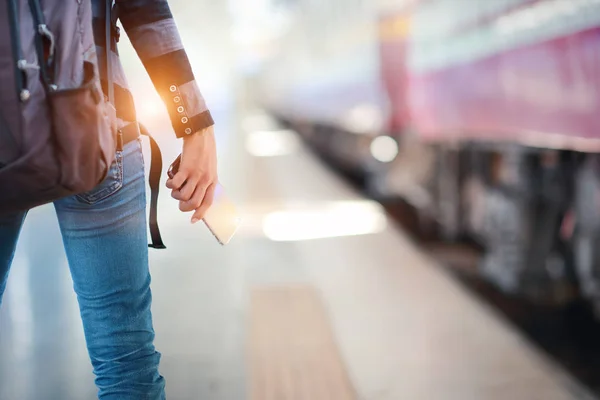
150	26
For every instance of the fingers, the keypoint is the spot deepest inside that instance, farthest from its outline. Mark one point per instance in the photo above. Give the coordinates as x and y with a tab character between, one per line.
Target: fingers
185	191
178	180
193	184
195	200
207	201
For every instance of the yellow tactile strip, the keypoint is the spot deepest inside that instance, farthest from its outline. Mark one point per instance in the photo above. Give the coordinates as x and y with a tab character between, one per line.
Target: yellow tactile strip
292	352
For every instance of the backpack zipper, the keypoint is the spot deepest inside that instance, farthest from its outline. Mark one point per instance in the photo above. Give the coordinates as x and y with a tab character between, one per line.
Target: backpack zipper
45	46
21	64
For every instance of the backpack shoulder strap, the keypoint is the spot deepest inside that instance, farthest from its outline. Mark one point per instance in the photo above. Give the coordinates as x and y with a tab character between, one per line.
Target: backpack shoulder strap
154	182
111	18
107	48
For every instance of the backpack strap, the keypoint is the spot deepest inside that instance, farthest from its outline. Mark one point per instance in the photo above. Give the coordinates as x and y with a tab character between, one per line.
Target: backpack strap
154	182
107	48
131	132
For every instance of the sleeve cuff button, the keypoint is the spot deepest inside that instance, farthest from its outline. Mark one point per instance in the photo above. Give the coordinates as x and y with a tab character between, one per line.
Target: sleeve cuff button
188	131
173	88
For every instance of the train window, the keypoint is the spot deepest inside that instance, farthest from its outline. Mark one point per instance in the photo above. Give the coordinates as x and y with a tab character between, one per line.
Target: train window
444	35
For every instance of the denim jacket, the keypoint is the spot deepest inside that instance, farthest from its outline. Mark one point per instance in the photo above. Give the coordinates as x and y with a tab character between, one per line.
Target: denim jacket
150	26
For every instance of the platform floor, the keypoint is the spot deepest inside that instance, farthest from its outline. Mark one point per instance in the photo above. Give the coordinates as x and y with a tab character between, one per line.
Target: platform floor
357	312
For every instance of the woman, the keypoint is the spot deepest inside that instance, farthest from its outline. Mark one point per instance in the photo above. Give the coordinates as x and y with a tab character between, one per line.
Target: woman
104	230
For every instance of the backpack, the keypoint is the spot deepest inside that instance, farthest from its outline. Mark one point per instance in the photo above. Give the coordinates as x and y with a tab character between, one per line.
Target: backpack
57	129
58	132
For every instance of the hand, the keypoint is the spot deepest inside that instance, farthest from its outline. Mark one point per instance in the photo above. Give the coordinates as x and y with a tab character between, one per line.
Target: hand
194	184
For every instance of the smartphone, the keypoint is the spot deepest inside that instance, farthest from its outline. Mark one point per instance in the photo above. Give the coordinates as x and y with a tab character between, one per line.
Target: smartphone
222	218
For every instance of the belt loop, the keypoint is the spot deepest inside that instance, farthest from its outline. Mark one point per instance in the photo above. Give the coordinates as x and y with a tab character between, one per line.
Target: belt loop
120	140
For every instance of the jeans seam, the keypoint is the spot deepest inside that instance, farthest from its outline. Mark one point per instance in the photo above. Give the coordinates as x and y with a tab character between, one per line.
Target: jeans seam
108	191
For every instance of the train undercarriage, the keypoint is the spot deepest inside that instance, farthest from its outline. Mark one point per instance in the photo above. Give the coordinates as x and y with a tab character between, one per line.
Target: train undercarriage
533	212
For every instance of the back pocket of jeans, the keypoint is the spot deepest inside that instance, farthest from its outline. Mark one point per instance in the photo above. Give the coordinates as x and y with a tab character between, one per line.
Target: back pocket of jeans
109	186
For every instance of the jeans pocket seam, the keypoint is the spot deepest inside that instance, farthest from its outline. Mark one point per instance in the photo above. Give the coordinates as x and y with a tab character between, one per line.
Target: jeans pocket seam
141	152
96	195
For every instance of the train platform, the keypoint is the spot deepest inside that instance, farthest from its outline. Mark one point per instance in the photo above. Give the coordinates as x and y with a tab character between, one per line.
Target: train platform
319	297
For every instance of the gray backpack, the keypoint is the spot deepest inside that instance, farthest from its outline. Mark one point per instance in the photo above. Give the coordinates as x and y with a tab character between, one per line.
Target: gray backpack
57	130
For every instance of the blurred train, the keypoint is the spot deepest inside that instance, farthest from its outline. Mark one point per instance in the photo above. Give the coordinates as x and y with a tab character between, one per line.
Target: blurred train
483	114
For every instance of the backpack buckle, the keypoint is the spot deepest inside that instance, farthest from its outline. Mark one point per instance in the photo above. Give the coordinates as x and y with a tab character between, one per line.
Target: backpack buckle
120	140
117	34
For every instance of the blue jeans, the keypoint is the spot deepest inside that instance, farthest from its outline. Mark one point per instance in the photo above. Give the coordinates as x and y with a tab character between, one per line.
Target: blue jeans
104	233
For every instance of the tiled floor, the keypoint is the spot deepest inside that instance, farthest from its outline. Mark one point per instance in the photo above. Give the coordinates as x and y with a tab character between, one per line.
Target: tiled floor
292	353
